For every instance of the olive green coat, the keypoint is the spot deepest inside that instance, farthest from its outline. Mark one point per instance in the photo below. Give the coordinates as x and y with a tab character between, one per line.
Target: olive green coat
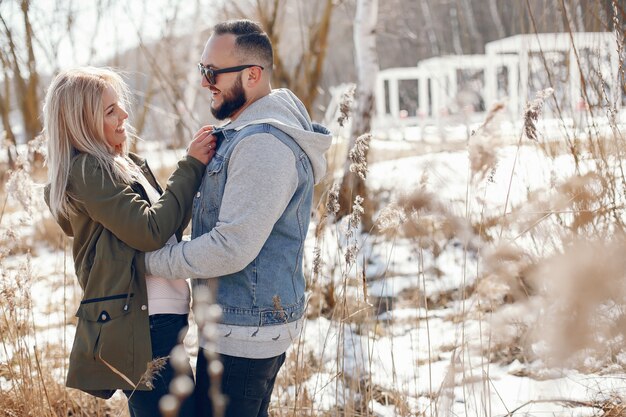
112	225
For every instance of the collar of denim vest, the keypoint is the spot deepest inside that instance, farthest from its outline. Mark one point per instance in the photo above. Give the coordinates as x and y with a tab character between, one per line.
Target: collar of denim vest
221	134
227	133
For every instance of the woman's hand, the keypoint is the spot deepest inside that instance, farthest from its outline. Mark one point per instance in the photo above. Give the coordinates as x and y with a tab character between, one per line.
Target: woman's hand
202	147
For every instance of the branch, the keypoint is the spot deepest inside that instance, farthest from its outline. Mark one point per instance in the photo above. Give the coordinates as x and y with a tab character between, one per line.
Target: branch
321	43
17	74
172	94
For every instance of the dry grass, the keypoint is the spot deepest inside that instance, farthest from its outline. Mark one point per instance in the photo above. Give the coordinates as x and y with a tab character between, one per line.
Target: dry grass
56	400
549	273
31	384
556	258
47	230
510	275
614	408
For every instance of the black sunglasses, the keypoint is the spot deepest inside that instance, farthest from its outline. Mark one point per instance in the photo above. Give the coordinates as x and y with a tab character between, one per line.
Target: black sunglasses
210	73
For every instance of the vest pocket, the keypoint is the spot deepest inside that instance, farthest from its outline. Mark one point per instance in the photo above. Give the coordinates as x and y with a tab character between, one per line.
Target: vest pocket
213	180
215	165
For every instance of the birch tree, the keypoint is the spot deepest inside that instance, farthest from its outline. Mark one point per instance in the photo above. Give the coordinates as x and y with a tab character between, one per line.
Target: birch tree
366	58
430	29
456	30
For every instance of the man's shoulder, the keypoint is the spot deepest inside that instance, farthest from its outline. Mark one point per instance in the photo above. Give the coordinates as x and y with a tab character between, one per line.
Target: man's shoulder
262	143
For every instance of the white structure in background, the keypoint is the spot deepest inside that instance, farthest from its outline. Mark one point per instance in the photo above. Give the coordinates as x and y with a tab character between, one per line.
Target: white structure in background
460	88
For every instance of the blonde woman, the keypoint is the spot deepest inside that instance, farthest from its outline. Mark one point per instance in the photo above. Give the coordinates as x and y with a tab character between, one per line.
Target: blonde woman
109	201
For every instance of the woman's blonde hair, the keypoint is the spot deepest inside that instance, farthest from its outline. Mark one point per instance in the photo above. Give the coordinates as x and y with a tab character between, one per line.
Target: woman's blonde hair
74	123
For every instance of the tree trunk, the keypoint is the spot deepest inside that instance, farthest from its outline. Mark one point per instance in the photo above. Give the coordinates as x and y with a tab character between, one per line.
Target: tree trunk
305	76
476	38
456	31
144	105
367	68
192	83
580	22
318	45
166	77
30	106
573	16
495	15
5	108
268	17
26	87
602	23
187	100
430	29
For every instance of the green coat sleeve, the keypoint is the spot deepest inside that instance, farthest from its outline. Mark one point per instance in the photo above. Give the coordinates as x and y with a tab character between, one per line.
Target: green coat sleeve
125	213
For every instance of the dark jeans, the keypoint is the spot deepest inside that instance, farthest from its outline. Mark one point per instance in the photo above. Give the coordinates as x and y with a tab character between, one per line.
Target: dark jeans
247	384
165	332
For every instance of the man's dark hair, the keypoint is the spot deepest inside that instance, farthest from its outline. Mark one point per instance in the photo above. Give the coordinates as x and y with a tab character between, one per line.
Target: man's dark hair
252	42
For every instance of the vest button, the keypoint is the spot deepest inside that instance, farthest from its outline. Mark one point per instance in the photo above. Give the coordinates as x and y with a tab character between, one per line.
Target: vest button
144	307
198	194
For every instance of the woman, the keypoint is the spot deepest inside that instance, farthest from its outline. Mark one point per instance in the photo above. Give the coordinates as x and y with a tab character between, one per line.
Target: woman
110	202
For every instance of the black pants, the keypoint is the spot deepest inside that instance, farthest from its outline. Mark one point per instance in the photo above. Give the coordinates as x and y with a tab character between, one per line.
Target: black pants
165	331
247	384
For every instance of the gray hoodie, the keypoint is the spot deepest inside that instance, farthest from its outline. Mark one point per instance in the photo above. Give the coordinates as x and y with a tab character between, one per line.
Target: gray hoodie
262	178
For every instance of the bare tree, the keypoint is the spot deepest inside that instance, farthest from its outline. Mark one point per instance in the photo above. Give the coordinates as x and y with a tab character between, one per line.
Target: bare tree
573	17
145	98
495	15
476	37
171	83
428	26
456	30
300	71
5	108
366	58
25	80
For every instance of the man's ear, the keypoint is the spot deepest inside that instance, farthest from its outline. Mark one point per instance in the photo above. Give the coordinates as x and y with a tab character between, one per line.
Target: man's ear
254	76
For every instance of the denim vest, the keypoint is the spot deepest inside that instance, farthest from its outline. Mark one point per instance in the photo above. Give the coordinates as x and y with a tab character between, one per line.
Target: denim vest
270	290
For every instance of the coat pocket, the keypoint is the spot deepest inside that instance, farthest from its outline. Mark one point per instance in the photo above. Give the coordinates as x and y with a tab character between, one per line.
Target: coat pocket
104	333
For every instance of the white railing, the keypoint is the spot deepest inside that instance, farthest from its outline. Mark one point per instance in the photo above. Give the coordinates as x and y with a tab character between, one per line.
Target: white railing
460	88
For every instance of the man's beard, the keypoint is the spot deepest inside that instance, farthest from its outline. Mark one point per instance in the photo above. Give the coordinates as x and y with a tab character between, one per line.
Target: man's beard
231	101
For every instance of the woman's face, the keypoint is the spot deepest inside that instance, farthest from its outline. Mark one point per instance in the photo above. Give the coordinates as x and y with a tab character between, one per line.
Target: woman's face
114	117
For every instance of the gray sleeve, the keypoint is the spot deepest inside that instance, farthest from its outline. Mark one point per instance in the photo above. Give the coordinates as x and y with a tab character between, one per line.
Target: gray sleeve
262	179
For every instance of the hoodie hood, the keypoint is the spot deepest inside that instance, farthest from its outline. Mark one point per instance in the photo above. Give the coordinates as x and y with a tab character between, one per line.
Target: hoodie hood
283	110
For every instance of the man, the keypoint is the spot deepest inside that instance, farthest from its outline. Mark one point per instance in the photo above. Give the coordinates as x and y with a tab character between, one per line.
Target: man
250	217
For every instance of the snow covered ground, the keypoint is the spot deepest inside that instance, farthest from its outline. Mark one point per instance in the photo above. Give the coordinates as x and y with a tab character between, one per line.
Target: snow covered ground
431	355
434	356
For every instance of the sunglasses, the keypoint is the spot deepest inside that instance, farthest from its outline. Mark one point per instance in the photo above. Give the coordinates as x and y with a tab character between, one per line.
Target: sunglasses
210	73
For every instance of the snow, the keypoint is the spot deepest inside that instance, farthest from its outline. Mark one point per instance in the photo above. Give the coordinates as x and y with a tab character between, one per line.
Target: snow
432	355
